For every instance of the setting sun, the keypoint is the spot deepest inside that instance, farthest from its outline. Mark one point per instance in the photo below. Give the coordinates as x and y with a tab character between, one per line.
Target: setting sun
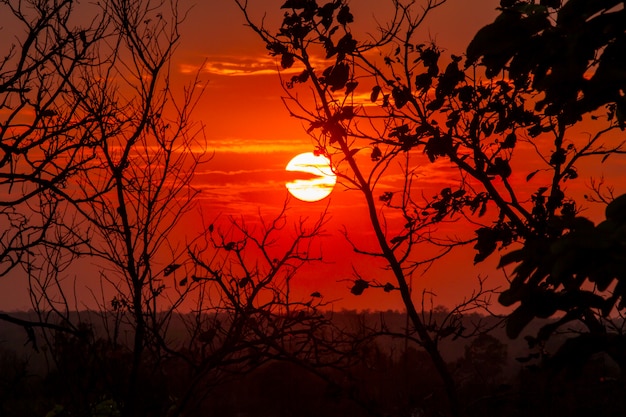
317	187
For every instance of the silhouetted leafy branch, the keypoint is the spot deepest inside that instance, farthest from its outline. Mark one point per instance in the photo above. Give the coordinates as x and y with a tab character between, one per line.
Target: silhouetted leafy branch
570	51
574	275
394	99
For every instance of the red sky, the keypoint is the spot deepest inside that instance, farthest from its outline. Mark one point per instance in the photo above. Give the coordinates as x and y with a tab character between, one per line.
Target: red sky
253	138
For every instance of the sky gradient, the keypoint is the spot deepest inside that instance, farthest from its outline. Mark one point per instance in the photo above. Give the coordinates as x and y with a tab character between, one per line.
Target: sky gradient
252	138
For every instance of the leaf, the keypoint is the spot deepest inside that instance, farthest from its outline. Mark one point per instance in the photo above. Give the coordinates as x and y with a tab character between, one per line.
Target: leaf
532	341
423	81
512	257
466	94
344	16
509	297
300	78
398	239
336	76
386	196
183	282
329	46
499	167
315	125
345	113
376	154
170	268
486	243
326	13
458	193
509	141
346	45
287	60
351	86
398	131
438	145
531	175
375	92
388	287
359	286
401	96
451	77
558	157
337	132
570	174
316	294
575	351
430	57
483	209
435	104
294	4
276	48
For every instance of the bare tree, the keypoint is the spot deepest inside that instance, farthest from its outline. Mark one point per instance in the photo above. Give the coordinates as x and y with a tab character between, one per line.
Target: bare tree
46	136
244	313
100	177
98	157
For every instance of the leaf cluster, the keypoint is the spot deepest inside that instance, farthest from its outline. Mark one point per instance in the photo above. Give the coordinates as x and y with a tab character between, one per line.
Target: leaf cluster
563	274
571	51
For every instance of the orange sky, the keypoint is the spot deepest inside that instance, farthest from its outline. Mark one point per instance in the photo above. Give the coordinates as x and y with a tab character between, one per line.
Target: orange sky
253	138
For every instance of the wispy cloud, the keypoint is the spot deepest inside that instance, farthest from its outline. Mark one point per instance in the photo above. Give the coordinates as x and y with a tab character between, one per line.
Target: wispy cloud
258	146
239	66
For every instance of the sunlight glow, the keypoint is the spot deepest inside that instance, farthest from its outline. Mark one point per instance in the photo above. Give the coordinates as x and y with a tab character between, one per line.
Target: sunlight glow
316	188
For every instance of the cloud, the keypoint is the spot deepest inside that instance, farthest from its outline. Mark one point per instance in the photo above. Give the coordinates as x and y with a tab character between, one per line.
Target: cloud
241	66
237	66
258	146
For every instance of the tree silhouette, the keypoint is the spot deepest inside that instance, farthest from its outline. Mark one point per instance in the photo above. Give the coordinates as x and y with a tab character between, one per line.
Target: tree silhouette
46	136
363	145
98	155
571	53
244	313
397	100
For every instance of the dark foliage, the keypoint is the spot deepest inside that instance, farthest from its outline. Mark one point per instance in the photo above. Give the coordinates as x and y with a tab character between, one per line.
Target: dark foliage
549	64
572	51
